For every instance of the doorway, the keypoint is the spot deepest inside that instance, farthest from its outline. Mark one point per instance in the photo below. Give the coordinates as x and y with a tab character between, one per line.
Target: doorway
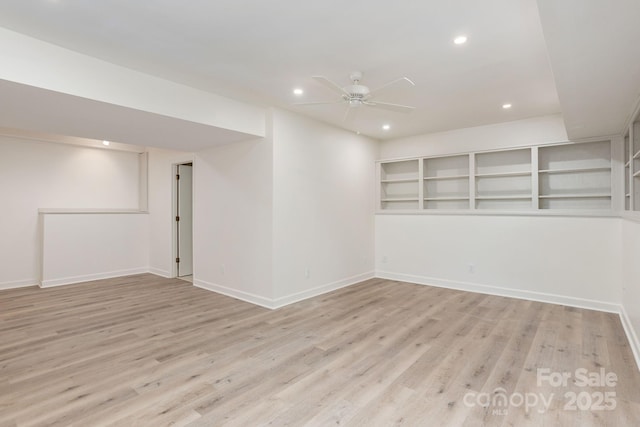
184	220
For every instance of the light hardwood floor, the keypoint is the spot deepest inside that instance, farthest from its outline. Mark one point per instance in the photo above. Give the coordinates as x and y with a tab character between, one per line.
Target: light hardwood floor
148	351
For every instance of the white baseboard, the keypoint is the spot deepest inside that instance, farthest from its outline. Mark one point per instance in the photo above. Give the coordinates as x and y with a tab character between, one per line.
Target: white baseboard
286	300
234	293
323	289
89	277
503	292
159	272
18	284
632	336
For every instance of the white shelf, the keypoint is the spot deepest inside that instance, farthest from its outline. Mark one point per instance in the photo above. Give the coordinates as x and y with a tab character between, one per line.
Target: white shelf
391	181
523	197
636	174
575	170
626	165
401	199
637	155
430	178
575	196
502	174
445	198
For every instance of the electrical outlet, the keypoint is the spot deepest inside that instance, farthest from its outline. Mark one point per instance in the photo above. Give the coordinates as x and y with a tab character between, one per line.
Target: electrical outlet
384	259
307	273
222	269
472	268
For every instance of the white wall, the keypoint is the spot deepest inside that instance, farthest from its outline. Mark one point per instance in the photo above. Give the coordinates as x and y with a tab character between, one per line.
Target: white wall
78	247
631	282
570	260
161	180
232	220
268	210
323	207
534	131
36	175
574	261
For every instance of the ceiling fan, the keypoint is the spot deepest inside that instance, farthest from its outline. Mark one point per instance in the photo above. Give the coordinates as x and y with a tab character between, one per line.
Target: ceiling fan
357	95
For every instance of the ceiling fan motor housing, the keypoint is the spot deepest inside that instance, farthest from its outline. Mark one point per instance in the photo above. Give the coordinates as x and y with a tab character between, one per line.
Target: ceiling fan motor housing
356	92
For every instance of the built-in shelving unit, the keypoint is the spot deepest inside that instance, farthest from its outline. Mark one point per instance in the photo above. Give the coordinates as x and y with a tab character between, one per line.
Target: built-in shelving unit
575	176
555	177
503	179
400	185
446	182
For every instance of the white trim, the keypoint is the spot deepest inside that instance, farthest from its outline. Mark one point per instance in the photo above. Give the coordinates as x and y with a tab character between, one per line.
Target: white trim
69	211
634	343
609	307
577	213
286	300
323	289
89	277
234	293
632	216
159	272
18	284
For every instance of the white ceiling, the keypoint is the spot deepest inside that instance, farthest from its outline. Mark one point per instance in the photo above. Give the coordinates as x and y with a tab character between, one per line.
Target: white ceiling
258	51
54	113
594	47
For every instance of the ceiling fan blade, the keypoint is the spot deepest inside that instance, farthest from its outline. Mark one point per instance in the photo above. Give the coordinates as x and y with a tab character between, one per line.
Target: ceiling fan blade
330	84
392	82
388	106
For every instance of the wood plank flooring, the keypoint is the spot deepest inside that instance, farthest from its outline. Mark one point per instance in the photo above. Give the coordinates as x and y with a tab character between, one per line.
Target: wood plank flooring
148	351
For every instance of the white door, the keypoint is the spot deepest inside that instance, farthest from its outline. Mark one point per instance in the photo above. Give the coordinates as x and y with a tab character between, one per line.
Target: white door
184	220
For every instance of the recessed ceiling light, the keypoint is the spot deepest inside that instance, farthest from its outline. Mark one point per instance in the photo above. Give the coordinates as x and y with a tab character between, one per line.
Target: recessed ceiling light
506	106
298	91
386	127
460	40
106	143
